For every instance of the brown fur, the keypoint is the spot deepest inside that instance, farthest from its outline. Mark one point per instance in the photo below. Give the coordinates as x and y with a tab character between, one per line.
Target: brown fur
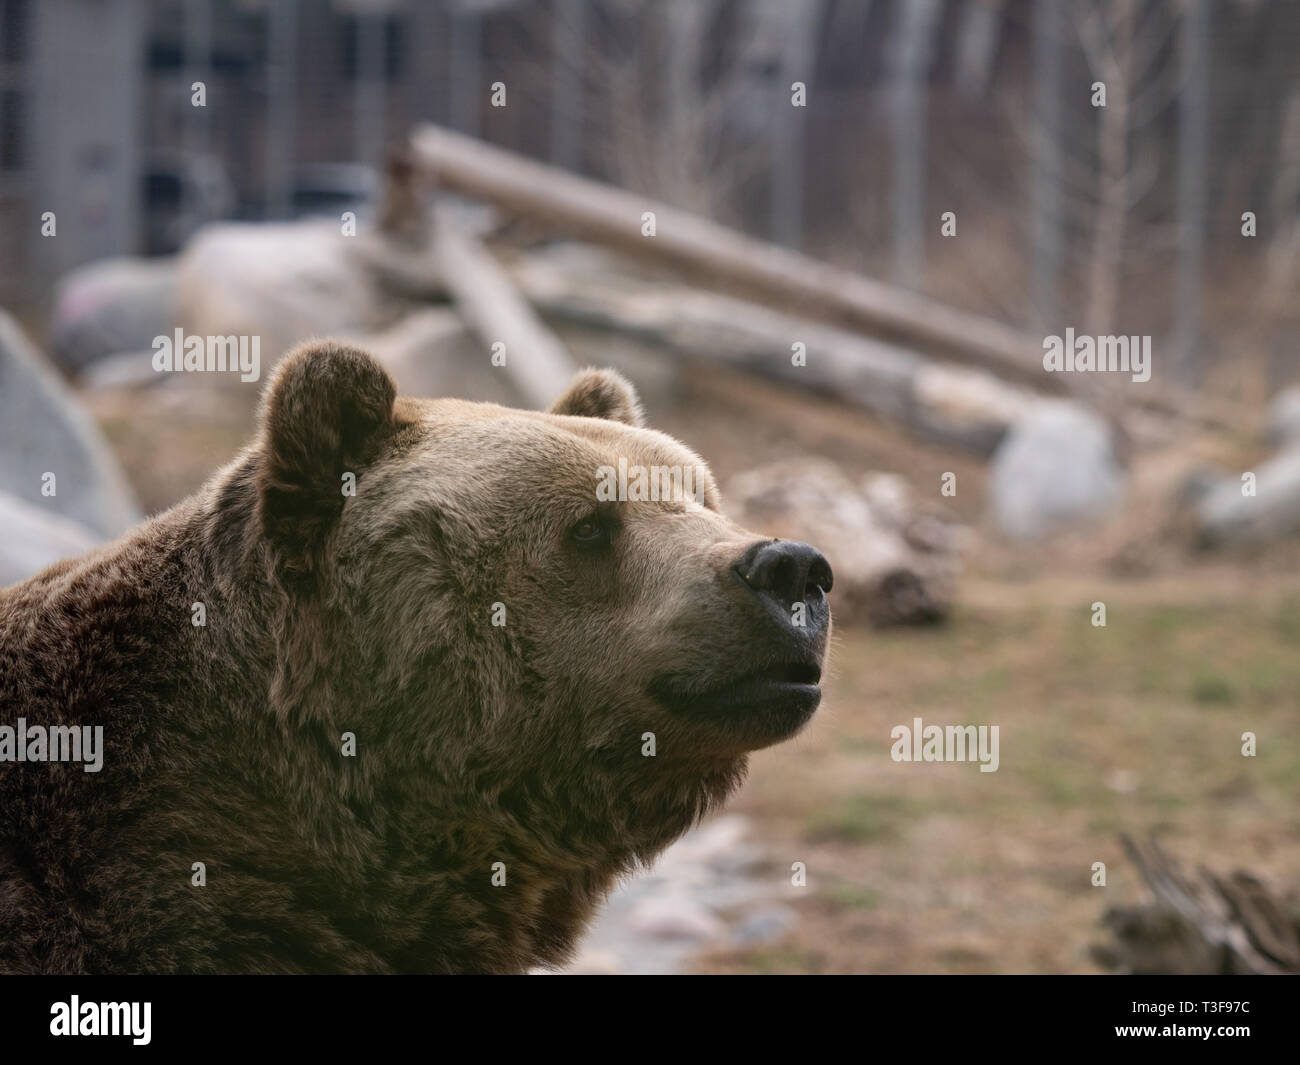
328	614
601	394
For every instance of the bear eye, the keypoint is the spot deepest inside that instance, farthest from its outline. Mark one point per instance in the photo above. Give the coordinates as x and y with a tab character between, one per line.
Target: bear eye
591	532
588	531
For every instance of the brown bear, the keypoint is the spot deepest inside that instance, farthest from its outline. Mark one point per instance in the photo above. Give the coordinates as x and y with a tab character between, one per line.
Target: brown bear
405	688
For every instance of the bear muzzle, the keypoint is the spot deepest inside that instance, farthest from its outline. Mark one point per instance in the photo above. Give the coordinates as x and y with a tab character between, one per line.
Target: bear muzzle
766	686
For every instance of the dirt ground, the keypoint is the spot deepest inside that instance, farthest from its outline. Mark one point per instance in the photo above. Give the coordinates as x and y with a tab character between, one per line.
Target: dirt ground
1132	728
936	867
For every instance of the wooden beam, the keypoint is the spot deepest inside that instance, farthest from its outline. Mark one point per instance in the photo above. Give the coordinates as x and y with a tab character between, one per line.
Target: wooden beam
723	257
959	406
497	312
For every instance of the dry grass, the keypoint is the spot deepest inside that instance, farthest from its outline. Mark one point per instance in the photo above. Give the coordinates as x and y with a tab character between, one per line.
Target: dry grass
1135	727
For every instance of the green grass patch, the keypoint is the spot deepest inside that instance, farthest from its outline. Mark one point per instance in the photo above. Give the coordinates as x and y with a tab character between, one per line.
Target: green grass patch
864	819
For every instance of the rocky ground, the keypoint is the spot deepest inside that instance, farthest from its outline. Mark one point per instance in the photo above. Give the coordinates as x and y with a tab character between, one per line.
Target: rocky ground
717	887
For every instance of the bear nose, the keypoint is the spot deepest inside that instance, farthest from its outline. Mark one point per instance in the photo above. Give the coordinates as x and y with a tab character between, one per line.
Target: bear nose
785	569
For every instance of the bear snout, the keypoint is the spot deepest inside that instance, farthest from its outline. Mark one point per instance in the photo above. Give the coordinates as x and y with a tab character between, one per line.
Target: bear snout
783	573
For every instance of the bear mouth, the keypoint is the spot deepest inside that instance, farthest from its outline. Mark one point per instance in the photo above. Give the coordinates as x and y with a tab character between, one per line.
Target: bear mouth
793	673
769	703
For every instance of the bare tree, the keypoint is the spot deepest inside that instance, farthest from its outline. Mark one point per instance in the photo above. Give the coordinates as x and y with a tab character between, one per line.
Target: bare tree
913	54
1047	160
1193	143
1284	248
796	52
978	39
567	91
1107	33
687	121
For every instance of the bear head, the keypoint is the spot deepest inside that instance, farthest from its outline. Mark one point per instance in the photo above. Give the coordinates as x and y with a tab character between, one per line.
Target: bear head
553	646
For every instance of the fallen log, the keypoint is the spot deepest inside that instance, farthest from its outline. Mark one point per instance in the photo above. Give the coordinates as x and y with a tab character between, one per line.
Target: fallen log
501	317
722	256
1199	923
896	561
725	259
970	409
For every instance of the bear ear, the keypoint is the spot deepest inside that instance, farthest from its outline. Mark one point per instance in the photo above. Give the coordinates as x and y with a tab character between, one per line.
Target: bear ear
327	411
601	394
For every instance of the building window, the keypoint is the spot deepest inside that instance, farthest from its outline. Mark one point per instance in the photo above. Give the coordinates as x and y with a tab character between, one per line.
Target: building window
392	48
13	30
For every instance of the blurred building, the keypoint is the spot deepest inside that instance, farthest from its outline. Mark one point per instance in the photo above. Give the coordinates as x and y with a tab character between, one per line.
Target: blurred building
71	81
842	127
100	121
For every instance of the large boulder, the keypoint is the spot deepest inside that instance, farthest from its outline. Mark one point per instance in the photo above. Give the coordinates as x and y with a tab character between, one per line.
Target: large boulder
43	430
283	283
112	306
1234	511
32	538
1056	469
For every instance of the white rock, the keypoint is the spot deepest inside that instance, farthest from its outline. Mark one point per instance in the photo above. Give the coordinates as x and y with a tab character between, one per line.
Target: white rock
284	283
1228	516
124	370
1055	471
112	306
1284	417
1124	781
765	925
32	538
675	917
43	430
